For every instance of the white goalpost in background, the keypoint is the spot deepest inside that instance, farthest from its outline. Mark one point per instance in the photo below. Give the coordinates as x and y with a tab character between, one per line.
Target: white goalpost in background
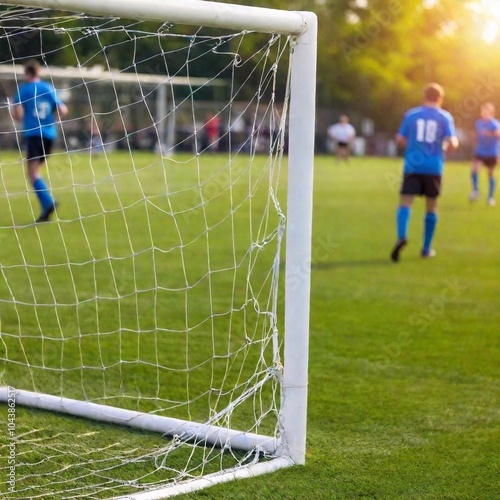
165	127
282	357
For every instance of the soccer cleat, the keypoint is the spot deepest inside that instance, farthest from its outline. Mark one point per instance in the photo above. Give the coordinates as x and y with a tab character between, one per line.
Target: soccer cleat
428	254
474	196
45	216
397	249
491	202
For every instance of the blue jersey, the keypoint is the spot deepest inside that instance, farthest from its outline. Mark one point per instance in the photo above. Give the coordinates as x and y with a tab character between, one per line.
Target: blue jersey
487	146
425	129
39	101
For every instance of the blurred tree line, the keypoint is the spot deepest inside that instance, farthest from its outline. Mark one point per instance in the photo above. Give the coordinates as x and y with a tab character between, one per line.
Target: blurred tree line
374	55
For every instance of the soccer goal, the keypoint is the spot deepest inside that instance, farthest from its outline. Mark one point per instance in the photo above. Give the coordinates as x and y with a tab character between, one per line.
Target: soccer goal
154	333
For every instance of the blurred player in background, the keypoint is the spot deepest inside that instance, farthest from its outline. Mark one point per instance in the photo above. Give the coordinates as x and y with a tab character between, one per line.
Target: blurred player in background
426	132
212	132
342	134
486	152
36	105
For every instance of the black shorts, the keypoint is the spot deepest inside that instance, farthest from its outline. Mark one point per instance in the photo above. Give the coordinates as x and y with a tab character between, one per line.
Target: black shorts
487	161
420	184
342	145
38	148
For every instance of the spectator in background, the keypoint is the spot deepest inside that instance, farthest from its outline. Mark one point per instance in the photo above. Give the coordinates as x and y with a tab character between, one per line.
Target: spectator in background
212	132
342	134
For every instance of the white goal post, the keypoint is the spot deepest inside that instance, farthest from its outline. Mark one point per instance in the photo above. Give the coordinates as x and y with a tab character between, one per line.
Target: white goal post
289	447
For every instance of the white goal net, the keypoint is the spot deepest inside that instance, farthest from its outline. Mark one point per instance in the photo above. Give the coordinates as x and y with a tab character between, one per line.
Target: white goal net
154	296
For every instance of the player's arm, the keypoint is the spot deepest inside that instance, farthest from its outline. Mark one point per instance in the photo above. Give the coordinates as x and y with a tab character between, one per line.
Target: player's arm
62	109
402	135
352	136
451	141
17	112
16	108
401	140
491	133
59	106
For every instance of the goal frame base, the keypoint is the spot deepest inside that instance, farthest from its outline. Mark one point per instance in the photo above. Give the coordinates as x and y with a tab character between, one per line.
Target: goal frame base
202	434
210	480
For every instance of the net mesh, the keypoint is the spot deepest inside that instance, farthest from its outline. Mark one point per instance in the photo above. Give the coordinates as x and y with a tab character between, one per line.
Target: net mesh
156	287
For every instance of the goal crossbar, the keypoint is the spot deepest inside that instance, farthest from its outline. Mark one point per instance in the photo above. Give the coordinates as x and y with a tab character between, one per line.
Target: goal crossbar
193	12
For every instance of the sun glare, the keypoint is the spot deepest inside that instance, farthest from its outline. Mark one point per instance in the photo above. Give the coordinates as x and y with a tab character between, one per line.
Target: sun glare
491	32
490	9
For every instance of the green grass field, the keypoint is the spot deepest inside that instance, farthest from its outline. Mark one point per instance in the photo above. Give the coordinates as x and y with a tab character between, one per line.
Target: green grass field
404	389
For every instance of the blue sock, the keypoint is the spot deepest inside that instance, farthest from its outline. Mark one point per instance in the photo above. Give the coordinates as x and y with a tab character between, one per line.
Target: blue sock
475	182
430	227
403	219
492	187
43	193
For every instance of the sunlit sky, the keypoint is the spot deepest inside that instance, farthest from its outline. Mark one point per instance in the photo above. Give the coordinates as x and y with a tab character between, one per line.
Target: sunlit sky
491	10
488	10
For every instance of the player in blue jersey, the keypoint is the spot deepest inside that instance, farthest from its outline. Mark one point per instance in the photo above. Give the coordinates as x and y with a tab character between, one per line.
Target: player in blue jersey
36	106
426	132
486	152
